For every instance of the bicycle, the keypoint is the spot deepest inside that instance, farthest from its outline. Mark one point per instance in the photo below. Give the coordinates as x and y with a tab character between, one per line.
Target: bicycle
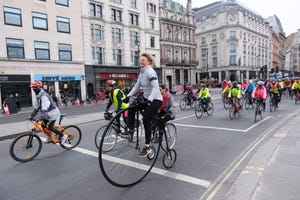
234	108
184	102
225	100
259	110
28	145
248	100
272	101
115	132
121	166
297	96
200	108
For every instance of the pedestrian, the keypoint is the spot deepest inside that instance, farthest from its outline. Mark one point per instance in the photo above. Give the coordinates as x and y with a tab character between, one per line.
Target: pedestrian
11	103
18	101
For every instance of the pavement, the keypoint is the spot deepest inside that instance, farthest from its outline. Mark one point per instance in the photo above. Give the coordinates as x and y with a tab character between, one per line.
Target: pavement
272	172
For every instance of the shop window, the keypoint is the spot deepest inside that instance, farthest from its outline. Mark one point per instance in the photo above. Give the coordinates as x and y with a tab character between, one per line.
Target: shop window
63	24
65	52
15	48
12	16
39	21
41	50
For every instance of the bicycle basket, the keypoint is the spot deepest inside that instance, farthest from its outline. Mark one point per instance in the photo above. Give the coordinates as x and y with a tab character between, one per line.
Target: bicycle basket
108	116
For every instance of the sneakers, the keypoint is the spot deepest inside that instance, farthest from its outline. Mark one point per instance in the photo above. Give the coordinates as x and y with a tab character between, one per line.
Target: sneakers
144	152
64	139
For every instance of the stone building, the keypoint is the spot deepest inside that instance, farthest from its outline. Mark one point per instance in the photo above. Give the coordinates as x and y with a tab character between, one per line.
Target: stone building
233	41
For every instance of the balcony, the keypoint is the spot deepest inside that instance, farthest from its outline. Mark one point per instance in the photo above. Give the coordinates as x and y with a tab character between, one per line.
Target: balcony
175	62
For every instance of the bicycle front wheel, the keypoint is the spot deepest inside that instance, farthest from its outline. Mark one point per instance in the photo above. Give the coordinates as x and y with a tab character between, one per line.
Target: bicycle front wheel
25	147
122	166
198	110
171	135
231	112
74	137
110	138
182	104
210	108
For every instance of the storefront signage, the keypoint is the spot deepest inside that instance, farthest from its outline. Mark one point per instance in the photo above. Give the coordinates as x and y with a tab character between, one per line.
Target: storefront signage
57	77
116	75
14	78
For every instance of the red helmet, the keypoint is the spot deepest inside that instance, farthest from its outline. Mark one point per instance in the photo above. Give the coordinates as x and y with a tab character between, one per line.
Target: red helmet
36	84
110	83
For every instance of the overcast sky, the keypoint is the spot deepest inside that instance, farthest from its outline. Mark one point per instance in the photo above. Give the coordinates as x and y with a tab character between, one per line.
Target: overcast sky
288	11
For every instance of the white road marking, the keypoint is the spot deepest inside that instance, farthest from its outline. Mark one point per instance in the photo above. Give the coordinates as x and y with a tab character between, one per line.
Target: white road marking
211	127
174	175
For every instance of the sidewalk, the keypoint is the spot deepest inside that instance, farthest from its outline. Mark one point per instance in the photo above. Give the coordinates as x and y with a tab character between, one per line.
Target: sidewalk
273	171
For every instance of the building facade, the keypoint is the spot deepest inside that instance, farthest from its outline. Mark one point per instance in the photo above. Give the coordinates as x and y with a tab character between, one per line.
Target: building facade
177	44
293	53
115	33
232	41
39	41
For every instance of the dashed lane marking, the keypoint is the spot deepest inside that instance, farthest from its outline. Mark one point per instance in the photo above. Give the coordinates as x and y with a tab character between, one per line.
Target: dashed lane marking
174	175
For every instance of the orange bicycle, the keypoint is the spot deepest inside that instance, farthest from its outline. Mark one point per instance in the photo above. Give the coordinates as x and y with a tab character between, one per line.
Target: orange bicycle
28	145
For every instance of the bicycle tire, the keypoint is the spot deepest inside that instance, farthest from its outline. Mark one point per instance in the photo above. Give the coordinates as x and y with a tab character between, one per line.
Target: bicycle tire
198	110
169	158
122	167
231	112
25	154
110	140
226	104
182	104
171	134
74	137
210	109
247	103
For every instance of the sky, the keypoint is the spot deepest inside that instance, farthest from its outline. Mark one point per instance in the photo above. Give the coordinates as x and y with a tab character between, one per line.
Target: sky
287	11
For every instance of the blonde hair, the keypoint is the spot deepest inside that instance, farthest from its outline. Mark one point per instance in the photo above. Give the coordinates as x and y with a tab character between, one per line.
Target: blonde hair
150	58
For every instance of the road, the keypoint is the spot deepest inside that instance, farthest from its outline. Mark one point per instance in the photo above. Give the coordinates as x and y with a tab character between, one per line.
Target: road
211	152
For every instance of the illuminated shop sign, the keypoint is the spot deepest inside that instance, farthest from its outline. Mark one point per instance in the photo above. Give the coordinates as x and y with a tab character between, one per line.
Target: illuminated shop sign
116	75
57	77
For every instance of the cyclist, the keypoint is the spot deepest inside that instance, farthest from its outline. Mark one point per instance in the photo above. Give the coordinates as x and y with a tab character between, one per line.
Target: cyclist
224	84
281	84
189	92
50	113
249	89
149	81
235	92
116	97
260	93
167	107
204	94
296	87
244	84
274	87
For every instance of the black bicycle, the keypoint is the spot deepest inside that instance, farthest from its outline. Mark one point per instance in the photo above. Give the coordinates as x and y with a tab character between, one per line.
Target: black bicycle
201	108
273	104
121	166
259	110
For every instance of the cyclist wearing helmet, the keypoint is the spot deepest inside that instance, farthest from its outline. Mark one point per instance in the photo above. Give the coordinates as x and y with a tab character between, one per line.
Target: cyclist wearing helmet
149	81
260	93
249	89
50	113
235	92
204	94
116	97
274	88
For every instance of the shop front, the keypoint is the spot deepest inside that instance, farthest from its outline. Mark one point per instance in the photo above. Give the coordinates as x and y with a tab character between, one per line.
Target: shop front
61	85
12	84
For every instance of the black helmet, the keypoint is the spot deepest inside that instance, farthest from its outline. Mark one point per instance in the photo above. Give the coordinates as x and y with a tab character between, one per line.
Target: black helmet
234	83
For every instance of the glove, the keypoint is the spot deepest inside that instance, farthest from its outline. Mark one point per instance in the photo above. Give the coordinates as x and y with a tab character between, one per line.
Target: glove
126	100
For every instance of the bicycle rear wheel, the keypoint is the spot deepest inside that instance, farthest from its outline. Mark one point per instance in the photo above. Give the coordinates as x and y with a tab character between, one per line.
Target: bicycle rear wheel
210	109
74	137
25	147
231	112
121	166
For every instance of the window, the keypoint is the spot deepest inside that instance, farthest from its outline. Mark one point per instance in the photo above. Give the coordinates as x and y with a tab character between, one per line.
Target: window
116	1
232	60
15	48
97	32
177	34
232	48
133	4
12	16
97	55
133	19
214	50
116	15
185	37
134	58
152	41
65	52
133	38
116	35
232	34
214	38
63	24
151	8
96	10
215	62
152	23
177	56
41	50
169	56
117	56
185	57
62	2
203	40
39	21
186	76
